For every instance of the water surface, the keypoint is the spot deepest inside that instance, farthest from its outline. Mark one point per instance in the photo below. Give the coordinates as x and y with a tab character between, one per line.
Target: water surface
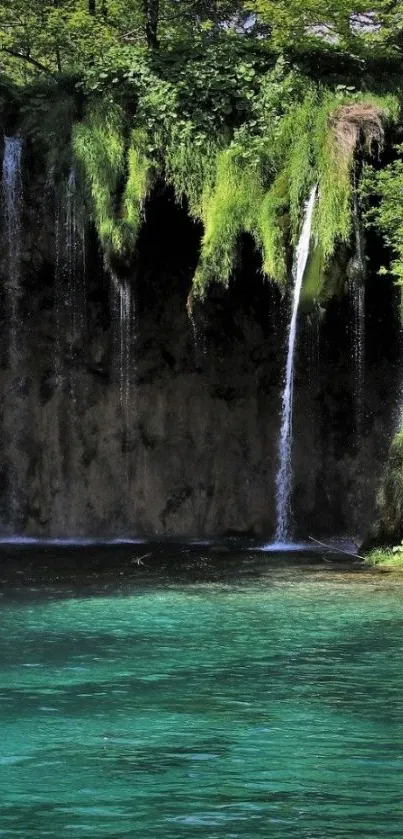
253	706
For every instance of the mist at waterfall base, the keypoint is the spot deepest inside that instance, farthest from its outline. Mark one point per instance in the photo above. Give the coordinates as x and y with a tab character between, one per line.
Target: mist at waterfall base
64	406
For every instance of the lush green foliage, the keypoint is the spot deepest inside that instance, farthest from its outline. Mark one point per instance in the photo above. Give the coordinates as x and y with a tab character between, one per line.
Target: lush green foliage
53	36
263	178
386	186
353	25
223	103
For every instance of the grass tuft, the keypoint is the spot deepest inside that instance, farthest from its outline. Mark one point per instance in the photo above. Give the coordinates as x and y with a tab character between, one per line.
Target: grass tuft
384	558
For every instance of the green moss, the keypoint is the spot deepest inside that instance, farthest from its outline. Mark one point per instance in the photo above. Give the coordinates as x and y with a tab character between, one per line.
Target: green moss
229	208
272	229
334	163
190	165
139	173
261	187
99	144
118	176
299	157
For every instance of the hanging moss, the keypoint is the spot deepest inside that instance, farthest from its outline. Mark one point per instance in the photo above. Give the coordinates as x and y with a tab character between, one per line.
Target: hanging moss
299	156
137	187
273	222
118	177
99	144
228	209
316	141
190	165
337	131
255	182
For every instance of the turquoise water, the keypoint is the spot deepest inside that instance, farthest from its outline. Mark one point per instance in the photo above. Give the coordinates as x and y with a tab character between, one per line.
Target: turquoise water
271	708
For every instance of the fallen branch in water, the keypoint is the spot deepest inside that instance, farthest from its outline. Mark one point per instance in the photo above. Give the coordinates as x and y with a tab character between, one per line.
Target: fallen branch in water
334	549
138	559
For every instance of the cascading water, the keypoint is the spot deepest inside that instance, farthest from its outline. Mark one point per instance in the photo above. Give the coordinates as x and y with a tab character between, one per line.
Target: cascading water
124	363
12	200
12	206
284	474
75	285
70	283
311	342
70	316
357	290
199	340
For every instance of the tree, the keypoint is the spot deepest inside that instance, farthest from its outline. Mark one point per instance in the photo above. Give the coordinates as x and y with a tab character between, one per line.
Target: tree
151	10
53	36
347	23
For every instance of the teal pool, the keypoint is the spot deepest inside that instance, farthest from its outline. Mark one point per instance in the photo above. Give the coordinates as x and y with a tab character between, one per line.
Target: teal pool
270	707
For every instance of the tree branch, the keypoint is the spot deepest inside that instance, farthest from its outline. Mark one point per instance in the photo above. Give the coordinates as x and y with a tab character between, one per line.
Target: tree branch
28	59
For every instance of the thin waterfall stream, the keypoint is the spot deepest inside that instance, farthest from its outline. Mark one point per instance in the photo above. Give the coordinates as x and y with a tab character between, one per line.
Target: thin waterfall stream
284	474
357	287
70	284
124	362
12	208
70	321
12	199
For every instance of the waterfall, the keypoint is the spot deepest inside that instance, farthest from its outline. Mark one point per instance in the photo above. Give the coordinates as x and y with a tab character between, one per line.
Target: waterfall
12	201
70	317
123	316
199	341
74	268
70	284
310	340
12	207
284	474
357	290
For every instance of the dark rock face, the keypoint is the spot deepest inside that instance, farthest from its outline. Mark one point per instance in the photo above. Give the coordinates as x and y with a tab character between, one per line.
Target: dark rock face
197	454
